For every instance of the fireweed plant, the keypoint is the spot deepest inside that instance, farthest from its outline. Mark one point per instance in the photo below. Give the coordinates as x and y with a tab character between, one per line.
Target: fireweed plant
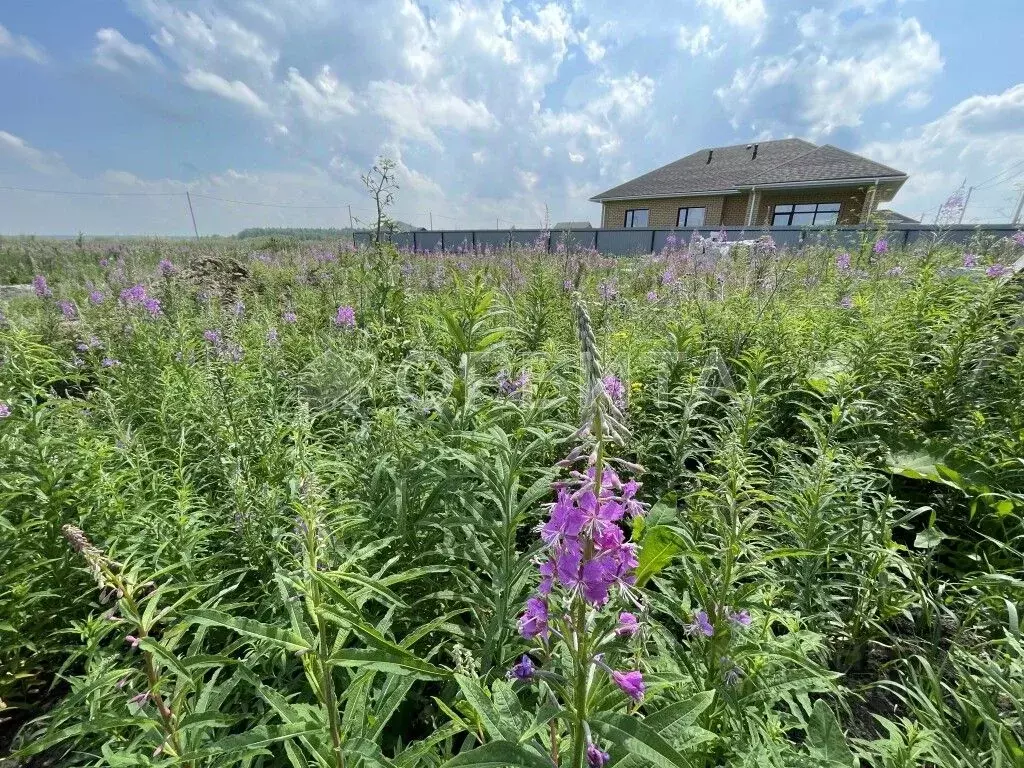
313	520
579	615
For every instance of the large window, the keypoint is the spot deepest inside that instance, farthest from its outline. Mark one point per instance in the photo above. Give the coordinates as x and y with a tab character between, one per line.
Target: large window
805	214
691	217
637	217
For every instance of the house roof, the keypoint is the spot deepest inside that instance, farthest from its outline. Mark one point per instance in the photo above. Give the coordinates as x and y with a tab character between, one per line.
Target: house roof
729	169
572	225
894	217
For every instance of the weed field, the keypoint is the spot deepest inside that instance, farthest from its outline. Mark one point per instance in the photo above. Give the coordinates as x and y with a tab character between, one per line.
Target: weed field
301	505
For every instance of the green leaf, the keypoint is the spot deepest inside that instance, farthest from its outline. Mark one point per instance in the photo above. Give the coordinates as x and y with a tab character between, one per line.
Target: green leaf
495	754
481	703
922	466
638	739
257	738
660	545
282	638
929	538
387	661
825	740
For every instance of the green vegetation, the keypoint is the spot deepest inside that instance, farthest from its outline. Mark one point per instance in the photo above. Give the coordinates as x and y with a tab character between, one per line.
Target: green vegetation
281	508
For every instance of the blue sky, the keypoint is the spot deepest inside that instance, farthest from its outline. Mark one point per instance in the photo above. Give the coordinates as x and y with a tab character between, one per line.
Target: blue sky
494	110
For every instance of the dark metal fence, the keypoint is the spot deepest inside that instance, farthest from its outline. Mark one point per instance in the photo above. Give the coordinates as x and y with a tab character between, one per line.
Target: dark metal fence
625	242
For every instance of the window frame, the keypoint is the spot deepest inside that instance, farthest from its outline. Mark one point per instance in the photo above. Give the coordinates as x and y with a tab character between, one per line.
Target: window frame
630	218
686	219
815	212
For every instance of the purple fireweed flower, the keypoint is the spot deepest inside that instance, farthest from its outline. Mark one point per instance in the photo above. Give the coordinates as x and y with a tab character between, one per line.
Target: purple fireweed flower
272	336
846	302
152	306
631	683
91	343
633	507
104	262
523	670
139	699
608	289
668	277
881	246
534	621
740	618
110	362
166	267
567	285
238	308
1018	237
345	317
566	520
67	308
212	336
289	317
509	387
733	674
843	262
5	410
970	260
996	270
41	287
628	625
134	295
700	626
652	296
615	390
96	297
596	757
132	640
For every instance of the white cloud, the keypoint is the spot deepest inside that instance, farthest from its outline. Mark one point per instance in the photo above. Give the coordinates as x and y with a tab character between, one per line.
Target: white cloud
114	52
576	157
828	82
413	111
24	153
19	46
979	138
749	15
324	100
233	90
698	41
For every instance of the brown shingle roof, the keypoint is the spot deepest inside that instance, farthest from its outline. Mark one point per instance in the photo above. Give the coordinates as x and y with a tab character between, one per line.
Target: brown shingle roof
777	162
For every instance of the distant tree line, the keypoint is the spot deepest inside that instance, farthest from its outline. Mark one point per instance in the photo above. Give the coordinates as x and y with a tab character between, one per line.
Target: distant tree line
313	233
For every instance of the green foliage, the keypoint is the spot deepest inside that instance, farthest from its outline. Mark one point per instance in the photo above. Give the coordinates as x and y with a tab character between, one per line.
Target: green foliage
314	552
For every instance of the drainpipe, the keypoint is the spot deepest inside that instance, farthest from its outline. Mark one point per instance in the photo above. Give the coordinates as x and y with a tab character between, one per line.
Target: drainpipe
871	205
751	207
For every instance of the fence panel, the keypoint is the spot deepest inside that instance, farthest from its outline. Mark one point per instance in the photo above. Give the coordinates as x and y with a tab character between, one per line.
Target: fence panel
526	238
624	242
458	240
428	241
493	238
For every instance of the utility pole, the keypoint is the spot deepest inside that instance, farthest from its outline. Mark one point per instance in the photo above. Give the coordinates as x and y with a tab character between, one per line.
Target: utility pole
192	213
1020	207
963	208
431	215
350	224
497	223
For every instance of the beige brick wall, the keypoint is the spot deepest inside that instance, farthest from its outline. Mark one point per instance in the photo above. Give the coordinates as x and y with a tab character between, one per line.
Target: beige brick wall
731	210
851	202
734	212
664	211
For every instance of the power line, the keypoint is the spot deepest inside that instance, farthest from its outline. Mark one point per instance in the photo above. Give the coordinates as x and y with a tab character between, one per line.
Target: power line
94	194
981	185
272	205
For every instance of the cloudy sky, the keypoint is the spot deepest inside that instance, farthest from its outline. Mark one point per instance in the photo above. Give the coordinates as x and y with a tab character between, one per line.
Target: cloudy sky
494	110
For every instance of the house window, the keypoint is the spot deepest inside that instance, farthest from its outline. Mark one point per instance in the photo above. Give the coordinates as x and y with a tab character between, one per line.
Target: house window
691	217
805	214
637	217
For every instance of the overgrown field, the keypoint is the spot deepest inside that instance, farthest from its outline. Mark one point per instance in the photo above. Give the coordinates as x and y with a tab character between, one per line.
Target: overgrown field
323	507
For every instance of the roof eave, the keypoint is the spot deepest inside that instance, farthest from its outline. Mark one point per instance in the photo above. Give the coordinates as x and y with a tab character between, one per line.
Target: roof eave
702	193
853	182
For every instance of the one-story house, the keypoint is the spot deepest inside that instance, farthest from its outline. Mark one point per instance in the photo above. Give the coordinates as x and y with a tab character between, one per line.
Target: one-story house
787	182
